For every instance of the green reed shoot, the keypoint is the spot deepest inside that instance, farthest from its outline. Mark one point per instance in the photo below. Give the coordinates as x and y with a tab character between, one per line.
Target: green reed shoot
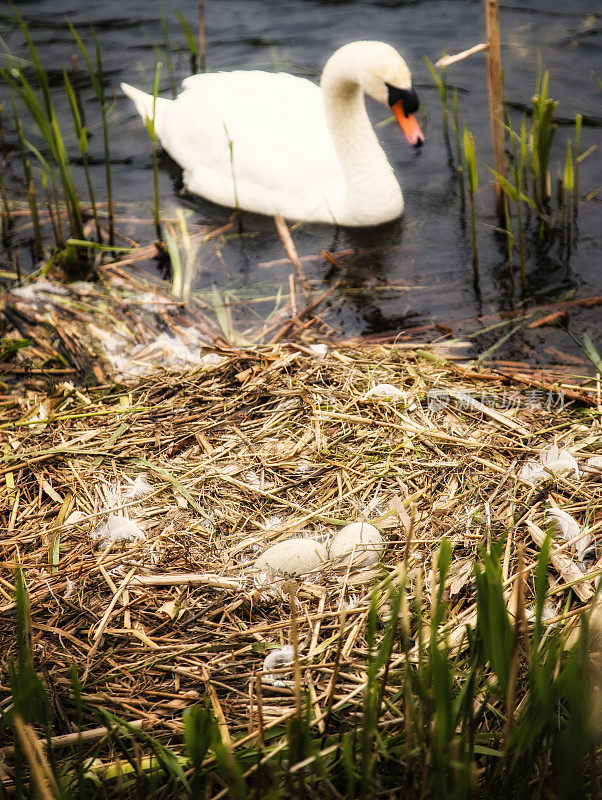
568	188
518	171
99	88
515	191
509	238
97	79
31	198
578	125
231	150
77	88
150	127
81	133
6	215
543	129
441	84
592	354
218	302
46	172
173	252
44	117
470	158
202	38
191	42
182	272
459	160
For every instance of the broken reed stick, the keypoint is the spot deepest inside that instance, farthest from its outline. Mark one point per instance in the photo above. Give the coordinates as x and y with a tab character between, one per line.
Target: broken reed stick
218	711
187	579
291	251
565	566
290	323
496	97
68	739
447	61
104	621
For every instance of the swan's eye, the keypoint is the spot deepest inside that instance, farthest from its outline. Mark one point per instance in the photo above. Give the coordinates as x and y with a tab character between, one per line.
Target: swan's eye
408	97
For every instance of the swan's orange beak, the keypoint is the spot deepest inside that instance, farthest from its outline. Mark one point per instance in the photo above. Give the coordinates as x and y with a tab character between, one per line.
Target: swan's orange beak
408	124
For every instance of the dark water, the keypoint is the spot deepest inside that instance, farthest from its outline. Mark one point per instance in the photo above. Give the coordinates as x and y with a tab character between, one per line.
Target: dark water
414	271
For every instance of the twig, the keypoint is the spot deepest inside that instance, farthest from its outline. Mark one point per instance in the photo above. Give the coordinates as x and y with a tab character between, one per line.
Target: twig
447	61
291	252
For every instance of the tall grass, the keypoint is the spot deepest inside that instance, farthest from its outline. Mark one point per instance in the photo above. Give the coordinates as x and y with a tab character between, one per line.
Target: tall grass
193	47
526	188
27	174
440	82
30	89
507	714
543	130
43	114
50	164
97	78
459	159
149	123
470	158
81	133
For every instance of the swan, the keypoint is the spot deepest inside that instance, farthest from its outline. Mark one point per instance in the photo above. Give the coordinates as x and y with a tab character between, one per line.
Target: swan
274	143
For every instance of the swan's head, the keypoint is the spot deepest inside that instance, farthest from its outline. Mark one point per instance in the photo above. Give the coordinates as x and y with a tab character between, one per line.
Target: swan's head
383	74
385	77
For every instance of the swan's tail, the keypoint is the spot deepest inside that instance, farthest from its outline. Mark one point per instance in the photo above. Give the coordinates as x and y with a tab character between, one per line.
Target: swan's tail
144	102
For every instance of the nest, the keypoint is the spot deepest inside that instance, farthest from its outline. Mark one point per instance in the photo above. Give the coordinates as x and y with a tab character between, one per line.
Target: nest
213	465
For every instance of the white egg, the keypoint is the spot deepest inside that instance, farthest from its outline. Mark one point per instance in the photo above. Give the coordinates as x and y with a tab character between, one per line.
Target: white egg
292	557
359	540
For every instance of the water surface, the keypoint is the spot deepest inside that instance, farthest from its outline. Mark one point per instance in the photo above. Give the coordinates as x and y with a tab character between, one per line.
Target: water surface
405	274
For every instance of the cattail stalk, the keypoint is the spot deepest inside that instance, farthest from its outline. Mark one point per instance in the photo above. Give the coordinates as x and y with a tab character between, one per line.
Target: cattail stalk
496	97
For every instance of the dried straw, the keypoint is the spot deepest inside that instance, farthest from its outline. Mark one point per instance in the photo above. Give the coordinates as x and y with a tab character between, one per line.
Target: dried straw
269	443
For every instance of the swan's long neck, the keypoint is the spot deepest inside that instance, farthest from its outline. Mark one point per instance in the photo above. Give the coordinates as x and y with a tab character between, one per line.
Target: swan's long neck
369	178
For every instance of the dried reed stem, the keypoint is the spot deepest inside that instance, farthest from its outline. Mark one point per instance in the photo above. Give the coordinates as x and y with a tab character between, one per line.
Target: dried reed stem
496	97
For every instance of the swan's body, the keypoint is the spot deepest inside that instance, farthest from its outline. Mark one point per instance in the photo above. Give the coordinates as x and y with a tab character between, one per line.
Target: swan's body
278	144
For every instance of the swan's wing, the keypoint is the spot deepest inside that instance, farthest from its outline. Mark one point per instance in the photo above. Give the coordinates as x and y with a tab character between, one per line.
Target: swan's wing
259	134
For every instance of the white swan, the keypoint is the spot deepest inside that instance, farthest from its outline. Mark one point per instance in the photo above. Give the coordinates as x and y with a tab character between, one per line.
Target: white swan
278	144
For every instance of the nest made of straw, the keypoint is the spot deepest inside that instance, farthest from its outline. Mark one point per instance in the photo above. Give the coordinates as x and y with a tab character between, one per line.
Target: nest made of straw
259	446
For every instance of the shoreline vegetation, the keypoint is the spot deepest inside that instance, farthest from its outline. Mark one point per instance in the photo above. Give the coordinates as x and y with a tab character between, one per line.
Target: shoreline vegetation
158	438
